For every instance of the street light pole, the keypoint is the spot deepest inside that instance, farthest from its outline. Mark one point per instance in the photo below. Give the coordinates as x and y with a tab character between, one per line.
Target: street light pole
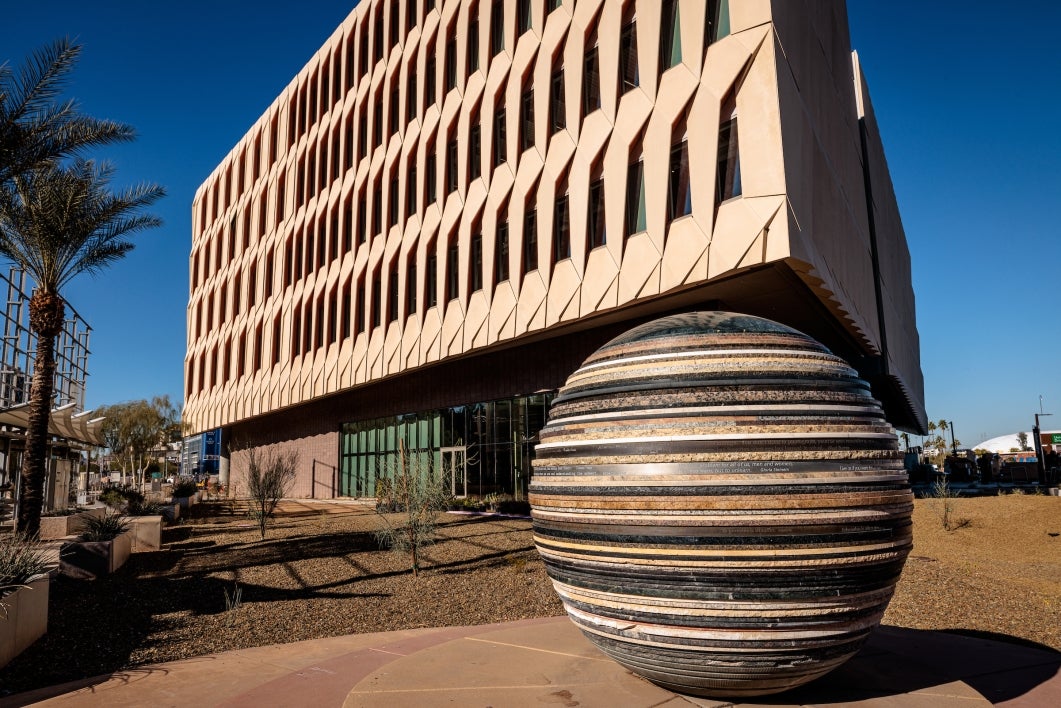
953	444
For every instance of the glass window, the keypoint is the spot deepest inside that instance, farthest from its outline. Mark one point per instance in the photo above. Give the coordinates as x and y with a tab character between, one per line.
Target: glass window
679	192
597	233
551	5
429	80
392	202
394	112
431	281
477	262
670	39
473	40
410	93
590	82
523	16
451	166
728	182
410	15
497	27
452	271
629	76
360	320
410	285
377	293
557	104
501	252
430	183
530	238
636	219
392	300
362	213
500	151
451	63
526	120
410	189
377	210
395	28
377	122
475	152
377	35
717	25
561	230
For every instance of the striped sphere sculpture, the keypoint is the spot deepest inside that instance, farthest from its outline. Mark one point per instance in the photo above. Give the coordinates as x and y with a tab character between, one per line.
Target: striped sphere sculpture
721	505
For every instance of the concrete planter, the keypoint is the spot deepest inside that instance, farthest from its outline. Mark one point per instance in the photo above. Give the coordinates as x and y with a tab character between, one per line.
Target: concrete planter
89	560
171	512
56	527
186	502
146	532
23	619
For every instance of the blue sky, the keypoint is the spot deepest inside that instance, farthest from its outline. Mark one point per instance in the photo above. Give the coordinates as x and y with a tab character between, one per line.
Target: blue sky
965	93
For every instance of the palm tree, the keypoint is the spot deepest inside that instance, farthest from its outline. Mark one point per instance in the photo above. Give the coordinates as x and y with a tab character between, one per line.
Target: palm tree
34	128
57	221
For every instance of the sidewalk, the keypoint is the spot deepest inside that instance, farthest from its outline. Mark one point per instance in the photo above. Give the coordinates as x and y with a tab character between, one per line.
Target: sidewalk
547	662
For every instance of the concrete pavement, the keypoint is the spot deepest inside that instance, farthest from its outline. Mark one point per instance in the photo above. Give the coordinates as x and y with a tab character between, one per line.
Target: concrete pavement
547	662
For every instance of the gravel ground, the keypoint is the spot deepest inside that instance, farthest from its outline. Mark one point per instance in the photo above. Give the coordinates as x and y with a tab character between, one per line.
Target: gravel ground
320	573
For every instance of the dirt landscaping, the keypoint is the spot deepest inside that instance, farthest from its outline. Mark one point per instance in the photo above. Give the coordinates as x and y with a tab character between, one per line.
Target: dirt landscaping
320	573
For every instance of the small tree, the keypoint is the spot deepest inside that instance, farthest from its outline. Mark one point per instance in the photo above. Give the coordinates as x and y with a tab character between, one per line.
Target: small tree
1022	440
419	496
269	476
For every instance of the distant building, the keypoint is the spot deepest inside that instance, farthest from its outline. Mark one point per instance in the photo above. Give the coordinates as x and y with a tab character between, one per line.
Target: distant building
454	203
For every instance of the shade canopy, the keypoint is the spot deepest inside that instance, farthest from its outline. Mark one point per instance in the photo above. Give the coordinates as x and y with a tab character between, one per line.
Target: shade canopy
64	422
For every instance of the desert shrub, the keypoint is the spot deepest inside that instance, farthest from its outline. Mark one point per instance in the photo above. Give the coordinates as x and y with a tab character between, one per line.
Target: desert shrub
143	508
104	528
269	476
120	497
69	511
419	495
21	559
185	488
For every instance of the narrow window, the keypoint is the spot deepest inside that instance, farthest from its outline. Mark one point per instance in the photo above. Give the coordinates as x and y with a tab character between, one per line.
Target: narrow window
377	122
410	92
430	183
728	181
551	5
410	285
362	218
362	134
276	340
679	192
377	210
557	104
451	166
451	62
410	15
473	40
319	323
629	76
717	25
392	295
431	282
561	230
476	265
500	152
452	270
269	275
523	16
501	250
670	39
597	234
377	36
361	305
258	348
348	225
530	236
377	305
636	220
348	307
590	81
475	149
526	118
296	333
429	5
392	201
429	80
394	112
333	316
410	188
497	27
395	28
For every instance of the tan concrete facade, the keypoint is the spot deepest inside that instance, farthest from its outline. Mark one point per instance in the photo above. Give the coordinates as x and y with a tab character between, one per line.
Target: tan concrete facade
315	239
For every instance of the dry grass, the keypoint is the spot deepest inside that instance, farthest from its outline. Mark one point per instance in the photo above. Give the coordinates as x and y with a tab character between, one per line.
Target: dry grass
319	573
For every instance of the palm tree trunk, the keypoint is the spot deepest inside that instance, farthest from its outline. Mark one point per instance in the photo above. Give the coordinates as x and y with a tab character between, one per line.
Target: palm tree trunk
46	312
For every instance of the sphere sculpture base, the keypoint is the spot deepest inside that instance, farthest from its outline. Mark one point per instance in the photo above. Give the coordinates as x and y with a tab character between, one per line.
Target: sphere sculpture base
721	505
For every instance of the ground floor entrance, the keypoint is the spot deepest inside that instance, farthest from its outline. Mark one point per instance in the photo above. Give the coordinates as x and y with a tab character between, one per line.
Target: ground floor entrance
477	449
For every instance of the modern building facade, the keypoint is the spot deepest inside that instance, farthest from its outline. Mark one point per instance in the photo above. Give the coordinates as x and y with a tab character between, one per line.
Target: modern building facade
456	201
